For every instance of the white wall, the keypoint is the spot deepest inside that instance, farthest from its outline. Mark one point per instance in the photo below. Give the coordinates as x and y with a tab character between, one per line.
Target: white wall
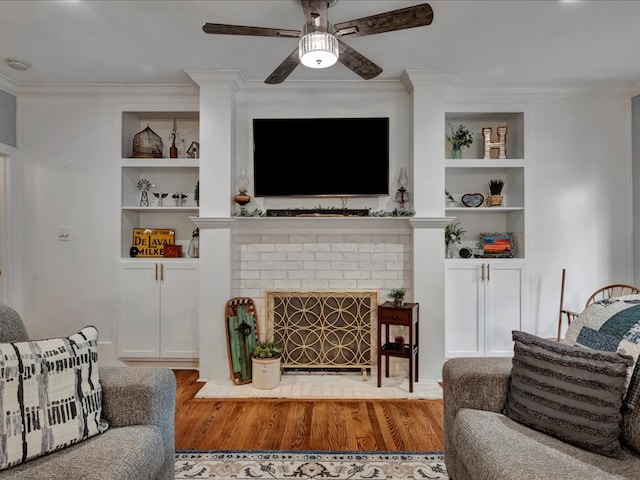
581	188
582	217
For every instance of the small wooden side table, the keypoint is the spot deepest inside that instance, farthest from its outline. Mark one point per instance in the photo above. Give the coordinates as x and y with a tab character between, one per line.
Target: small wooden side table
408	316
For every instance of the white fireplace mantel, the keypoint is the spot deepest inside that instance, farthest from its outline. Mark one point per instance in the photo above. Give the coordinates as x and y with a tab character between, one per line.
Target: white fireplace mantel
305	224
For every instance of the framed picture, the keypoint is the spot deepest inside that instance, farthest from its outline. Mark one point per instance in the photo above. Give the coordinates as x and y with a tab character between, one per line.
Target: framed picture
497	245
472	199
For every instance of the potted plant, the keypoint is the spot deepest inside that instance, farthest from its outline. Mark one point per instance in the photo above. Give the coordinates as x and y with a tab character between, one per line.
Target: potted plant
265	361
196	193
495	189
453	234
398	296
462	137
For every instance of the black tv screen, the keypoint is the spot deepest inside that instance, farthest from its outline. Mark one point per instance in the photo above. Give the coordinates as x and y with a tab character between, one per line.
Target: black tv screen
331	157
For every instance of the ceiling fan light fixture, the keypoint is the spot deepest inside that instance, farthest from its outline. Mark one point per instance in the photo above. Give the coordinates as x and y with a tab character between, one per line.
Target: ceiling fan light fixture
318	50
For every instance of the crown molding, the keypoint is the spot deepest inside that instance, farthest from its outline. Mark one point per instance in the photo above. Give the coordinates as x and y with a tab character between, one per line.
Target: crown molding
8	85
462	93
106	90
427	78
240	83
233	78
409	79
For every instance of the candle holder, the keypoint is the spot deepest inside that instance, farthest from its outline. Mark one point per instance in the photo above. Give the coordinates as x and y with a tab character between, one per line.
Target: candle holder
402	196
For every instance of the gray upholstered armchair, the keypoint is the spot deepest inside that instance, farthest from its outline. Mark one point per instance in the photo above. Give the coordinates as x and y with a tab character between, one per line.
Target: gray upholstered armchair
138	404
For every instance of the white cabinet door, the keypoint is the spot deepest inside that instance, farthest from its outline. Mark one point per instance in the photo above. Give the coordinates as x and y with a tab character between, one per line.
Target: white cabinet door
484	303
159	314
139	332
503	307
464	310
179	311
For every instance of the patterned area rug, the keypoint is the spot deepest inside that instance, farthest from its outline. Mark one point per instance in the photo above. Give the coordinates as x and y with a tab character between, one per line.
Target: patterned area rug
295	464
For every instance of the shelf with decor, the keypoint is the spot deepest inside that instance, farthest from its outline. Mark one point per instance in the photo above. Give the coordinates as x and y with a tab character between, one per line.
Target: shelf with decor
176	185
467	179
167	175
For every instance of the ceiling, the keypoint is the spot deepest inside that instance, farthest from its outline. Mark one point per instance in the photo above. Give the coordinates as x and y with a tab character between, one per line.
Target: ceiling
506	42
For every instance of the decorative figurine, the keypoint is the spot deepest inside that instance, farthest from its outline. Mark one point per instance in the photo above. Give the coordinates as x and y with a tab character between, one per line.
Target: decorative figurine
194	150
144	186
160	196
179	198
500	145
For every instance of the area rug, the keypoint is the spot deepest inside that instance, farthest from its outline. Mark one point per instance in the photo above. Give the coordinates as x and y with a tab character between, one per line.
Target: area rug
328	386
254	464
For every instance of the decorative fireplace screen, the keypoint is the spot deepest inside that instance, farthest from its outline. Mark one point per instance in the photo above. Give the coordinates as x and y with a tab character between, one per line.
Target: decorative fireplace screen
323	329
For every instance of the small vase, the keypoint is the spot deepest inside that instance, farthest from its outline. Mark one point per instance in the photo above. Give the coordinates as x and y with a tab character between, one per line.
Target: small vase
449	250
173	150
398	302
456	151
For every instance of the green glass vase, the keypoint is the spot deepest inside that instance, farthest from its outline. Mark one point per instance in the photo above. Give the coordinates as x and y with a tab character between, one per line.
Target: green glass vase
456	151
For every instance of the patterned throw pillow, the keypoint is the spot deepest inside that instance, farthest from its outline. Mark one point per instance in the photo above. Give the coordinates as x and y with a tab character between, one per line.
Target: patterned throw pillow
612	325
569	392
50	395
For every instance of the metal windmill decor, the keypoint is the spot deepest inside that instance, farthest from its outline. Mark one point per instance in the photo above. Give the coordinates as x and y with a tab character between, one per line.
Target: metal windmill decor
144	186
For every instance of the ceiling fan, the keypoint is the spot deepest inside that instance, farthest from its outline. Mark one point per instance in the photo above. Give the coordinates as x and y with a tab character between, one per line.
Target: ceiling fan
321	44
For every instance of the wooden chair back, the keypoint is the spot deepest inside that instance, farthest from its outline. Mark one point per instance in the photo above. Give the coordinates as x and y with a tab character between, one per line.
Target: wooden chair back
611	291
603	293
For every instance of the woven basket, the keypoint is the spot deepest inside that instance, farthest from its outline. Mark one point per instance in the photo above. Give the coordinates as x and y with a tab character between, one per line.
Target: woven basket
495	200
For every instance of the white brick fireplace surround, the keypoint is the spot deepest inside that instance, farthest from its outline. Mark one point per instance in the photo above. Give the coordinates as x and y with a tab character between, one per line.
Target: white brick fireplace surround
323	254
246	256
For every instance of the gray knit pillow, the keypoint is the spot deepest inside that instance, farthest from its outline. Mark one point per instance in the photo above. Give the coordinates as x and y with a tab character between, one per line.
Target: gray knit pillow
572	393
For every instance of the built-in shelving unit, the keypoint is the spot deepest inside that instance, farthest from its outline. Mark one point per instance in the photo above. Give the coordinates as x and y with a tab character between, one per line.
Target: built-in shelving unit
486	297
471	174
159	296
168	175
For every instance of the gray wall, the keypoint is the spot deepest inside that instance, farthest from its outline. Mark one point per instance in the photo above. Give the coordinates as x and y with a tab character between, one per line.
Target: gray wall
8	119
635	162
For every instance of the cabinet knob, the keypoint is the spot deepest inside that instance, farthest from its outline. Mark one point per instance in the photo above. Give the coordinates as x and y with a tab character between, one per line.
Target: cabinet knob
395	317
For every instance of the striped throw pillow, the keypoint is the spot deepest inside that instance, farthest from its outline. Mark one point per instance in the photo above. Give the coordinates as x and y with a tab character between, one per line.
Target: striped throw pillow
50	395
571	393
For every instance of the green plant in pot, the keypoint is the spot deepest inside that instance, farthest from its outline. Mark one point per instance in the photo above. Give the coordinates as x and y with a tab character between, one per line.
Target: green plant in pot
267	350
398	296
495	190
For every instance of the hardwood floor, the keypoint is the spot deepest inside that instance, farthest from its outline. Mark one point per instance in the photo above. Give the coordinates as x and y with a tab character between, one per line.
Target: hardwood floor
277	424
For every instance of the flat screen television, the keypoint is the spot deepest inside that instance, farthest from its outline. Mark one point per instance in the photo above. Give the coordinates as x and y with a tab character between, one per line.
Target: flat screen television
321	157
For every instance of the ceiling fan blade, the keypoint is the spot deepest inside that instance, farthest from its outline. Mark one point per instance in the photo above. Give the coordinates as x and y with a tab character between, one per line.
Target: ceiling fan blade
357	62
416	16
222	29
315	13
283	70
